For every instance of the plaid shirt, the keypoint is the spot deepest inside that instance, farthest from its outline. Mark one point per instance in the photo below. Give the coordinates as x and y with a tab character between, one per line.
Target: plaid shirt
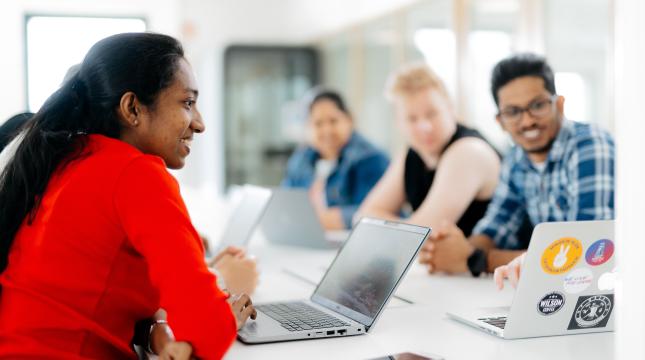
577	183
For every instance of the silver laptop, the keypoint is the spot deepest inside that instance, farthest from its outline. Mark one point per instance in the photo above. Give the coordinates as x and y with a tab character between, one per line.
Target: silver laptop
290	219
245	217
566	286
352	293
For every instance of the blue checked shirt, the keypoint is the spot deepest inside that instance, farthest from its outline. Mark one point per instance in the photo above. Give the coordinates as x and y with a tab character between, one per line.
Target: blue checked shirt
577	183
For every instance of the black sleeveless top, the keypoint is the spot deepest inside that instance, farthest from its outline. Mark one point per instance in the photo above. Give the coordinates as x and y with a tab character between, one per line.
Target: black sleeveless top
418	180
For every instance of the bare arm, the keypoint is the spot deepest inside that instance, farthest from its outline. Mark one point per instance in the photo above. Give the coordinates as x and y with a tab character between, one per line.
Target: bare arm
331	218
468	170
388	196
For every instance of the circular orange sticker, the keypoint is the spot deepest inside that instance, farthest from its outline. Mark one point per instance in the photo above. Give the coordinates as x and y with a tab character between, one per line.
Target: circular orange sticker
561	255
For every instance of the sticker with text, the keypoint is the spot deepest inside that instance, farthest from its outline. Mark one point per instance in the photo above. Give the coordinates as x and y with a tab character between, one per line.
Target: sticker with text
551	303
561	255
599	252
578	280
592	312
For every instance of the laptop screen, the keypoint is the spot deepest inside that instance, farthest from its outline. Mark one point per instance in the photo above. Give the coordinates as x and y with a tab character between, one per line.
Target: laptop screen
368	268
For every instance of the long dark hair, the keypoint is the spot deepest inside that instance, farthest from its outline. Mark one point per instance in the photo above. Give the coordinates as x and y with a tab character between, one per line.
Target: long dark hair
144	63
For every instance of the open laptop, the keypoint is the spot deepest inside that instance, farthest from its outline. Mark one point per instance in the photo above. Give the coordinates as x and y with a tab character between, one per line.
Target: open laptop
245	217
290	219
352	293
566	286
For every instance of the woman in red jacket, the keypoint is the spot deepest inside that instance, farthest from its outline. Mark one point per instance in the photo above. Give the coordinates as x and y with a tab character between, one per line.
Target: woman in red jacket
94	235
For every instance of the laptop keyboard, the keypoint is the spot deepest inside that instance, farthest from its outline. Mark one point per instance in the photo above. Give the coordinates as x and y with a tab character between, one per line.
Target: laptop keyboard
499	321
297	316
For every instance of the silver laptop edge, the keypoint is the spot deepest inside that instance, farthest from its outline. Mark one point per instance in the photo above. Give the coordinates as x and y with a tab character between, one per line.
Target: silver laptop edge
290	219
358	323
245	217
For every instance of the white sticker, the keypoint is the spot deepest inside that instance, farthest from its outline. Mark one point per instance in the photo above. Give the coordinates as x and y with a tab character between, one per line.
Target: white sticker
578	280
607	281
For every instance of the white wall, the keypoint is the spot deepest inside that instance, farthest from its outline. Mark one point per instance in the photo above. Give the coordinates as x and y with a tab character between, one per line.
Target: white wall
630	190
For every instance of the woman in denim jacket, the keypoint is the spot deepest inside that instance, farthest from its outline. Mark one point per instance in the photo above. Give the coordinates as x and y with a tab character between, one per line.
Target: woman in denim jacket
338	165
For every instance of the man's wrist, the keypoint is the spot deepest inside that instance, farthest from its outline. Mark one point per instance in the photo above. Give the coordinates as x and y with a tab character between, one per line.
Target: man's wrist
477	262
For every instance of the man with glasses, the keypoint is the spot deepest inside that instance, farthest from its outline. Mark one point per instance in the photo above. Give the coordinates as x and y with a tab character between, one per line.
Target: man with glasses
559	170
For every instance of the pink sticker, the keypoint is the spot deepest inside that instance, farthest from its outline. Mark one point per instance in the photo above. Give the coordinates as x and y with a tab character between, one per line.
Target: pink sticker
599	252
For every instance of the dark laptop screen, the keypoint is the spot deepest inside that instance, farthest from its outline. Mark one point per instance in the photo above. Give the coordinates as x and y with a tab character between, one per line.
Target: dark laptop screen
368	268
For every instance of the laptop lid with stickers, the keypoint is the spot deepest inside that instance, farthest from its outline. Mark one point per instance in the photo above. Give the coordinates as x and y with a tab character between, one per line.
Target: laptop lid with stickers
567	282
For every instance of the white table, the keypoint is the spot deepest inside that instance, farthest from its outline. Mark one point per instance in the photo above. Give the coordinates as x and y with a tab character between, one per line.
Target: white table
419	327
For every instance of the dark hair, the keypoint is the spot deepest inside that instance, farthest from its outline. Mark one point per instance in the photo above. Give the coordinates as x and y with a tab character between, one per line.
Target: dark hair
332	96
519	65
144	63
12	127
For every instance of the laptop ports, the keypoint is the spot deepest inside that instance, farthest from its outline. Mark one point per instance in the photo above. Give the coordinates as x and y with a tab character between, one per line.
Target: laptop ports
342	332
331	332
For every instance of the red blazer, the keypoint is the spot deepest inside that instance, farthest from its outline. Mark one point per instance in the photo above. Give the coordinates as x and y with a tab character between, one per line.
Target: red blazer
111	243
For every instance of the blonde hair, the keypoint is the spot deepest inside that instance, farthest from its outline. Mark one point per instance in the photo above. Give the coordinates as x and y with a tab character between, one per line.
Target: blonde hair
412	78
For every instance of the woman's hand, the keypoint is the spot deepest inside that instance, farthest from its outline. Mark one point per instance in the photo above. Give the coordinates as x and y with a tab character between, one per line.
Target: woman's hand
511	271
229	250
331	218
238	271
162	341
242	309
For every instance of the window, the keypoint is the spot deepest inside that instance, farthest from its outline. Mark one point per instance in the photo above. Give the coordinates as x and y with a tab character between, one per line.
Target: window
486	48
263	112
439	47
55	43
577	37
572	86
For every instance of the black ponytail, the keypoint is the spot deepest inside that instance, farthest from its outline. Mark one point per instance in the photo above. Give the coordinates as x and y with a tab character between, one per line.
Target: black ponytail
87	103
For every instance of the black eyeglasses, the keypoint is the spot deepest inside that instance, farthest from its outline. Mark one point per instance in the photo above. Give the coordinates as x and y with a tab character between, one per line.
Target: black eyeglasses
538	109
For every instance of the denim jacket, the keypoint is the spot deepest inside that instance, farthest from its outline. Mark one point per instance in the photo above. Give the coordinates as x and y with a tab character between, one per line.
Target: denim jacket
360	166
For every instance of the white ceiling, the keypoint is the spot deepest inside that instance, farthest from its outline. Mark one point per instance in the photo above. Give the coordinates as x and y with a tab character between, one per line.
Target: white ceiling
281	20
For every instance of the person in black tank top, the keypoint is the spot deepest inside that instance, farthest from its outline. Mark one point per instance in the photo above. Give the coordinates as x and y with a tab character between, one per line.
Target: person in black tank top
449	172
418	181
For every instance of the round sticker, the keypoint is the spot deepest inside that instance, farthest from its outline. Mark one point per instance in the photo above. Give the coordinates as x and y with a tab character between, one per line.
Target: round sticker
578	280
550	303
561	255
607	281
592	311
599	252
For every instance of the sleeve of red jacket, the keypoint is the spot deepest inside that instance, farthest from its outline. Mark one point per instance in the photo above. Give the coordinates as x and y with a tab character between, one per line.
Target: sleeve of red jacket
155	219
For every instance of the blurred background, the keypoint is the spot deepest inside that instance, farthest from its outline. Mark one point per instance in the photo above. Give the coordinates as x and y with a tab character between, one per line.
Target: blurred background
256	61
